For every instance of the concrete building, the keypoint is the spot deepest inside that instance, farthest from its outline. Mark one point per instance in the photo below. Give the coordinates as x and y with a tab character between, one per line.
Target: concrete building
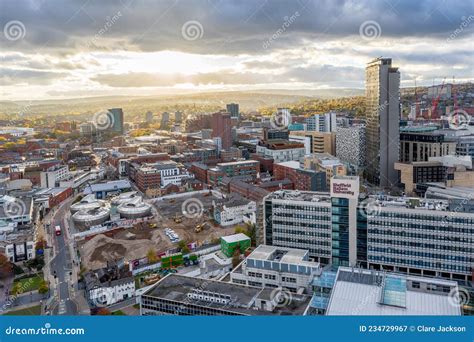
324	162
221	125
281	151
181	295
109	285
52	176
418	144
428	237
102	190
319	142
302	179
382	117
117	120
16	210
231	210
351	147
233	109
321	122
277	267
301	220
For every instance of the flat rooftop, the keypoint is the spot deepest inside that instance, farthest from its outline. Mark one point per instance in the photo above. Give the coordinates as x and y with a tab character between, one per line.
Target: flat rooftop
176	287
306	196
362	292
235	238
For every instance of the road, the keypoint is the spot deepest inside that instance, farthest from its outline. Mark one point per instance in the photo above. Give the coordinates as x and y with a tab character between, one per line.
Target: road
61	266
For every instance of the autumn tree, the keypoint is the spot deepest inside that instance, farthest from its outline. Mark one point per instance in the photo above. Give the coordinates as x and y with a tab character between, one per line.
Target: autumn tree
103	312
5	266
43	287
151	256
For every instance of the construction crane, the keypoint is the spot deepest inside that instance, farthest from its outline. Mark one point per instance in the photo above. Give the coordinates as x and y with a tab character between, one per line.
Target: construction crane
435	102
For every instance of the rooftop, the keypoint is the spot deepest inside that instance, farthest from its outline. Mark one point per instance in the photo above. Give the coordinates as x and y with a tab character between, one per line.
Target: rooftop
235	238
306	196
232	297
366	292
109	186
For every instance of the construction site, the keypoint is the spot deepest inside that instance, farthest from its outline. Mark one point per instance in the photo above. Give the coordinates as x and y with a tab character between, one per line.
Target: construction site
170	224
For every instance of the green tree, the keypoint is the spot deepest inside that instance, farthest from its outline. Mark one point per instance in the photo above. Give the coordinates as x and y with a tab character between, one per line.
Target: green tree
43	287
151	256
236	257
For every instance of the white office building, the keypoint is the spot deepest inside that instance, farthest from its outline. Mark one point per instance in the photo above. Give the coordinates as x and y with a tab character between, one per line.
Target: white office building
51	177
321	122
277	267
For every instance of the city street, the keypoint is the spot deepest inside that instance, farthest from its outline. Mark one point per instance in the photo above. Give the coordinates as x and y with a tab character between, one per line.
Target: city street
61	266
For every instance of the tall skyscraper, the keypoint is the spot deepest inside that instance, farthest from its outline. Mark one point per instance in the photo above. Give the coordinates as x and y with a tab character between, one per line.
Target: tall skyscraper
178	117
117	115
165	118
382	95
149	117
233	109
222	127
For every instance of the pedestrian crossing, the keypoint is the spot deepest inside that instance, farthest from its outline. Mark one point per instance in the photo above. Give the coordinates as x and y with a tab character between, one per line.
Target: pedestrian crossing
62	307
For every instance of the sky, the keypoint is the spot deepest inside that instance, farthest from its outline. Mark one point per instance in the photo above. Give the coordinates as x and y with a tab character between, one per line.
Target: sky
52	49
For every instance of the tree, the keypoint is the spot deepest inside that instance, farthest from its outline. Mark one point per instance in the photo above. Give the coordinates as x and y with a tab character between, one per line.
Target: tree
103	312
151	256
236	257
16	289
40	243
183	245
43	287
5	266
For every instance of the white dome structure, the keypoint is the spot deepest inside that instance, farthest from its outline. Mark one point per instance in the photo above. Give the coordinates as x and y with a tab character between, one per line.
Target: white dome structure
87	203
91	217
134	209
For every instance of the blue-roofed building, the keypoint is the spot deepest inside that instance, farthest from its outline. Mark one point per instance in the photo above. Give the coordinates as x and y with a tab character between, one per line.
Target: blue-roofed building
102	190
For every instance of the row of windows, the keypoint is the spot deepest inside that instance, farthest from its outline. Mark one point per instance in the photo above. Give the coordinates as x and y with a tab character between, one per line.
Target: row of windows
402	226
420	254
419	244
419	263
420	217
421	236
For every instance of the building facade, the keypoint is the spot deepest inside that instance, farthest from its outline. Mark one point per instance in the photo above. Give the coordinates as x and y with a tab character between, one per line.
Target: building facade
382	117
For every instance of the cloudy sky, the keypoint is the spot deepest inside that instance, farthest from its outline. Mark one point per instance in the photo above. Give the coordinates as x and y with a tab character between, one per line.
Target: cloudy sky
72	48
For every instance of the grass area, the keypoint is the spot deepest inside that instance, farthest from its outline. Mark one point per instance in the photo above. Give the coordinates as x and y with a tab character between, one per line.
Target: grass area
31	311
29	284
136	306
119	313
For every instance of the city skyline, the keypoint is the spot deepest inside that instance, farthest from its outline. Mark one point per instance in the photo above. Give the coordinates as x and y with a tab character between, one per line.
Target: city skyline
172	47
